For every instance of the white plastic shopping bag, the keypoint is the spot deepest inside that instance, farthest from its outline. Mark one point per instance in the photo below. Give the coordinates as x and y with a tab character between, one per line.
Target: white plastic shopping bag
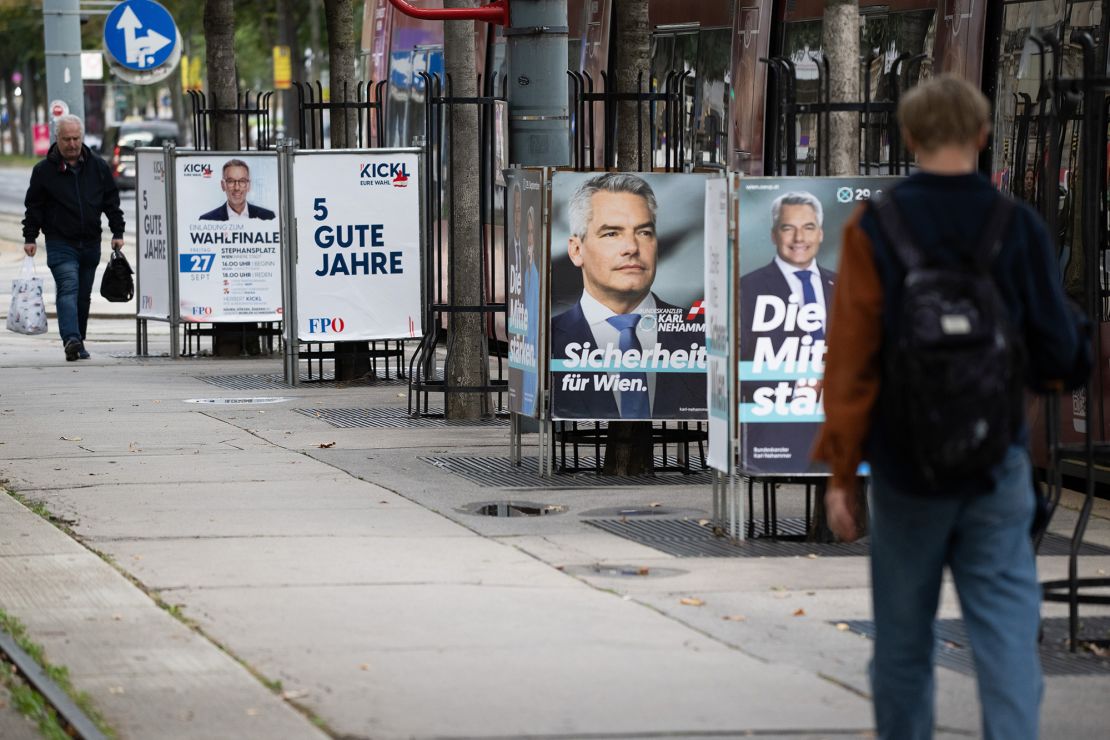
27	314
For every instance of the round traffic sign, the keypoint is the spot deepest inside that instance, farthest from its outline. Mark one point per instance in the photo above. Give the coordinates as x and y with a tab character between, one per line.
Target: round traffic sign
140	34
58	108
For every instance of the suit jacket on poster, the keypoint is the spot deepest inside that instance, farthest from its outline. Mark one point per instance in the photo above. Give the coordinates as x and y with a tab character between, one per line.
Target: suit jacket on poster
675	393
769	280
253	211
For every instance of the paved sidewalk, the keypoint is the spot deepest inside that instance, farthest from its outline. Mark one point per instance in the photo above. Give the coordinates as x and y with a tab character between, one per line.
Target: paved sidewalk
327	581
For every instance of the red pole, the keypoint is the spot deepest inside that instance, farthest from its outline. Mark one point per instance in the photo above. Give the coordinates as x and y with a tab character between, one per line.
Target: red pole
497	12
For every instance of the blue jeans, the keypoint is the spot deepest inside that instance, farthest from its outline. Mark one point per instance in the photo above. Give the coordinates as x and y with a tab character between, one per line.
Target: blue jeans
74	269
984	540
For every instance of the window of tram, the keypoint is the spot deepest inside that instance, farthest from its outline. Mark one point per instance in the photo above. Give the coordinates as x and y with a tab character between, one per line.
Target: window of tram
1018	155
884	37
704	56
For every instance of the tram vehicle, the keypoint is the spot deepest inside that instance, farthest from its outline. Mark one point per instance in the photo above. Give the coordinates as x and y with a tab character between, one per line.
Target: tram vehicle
724	48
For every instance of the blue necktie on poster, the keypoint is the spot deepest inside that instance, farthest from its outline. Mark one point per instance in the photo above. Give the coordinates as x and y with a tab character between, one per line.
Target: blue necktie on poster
808	297
634	404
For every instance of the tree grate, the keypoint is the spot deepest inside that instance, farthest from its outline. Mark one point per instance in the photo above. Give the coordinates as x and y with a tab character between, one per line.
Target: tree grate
686	538
689	538
389	417
499	472
953	648
276	381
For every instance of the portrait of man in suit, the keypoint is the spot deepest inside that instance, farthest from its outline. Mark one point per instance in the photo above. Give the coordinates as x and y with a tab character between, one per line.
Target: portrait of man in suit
621	351
783	309
236	184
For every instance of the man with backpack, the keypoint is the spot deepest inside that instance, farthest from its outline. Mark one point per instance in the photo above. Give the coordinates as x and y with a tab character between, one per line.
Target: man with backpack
948	302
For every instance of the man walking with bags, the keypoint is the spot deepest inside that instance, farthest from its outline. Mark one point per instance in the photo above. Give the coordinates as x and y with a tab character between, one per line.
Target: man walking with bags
948	302
68	192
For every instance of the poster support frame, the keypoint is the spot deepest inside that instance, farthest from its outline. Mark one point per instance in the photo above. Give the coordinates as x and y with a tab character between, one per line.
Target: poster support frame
169	155
291	350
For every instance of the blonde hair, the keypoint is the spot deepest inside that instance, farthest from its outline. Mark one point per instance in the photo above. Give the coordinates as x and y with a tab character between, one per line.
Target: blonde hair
946	110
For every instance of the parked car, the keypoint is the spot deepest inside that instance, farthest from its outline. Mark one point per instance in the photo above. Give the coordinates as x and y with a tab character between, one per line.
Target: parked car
120	141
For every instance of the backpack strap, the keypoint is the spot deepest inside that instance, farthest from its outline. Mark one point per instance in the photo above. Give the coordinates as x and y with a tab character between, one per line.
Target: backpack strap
990	241
894	229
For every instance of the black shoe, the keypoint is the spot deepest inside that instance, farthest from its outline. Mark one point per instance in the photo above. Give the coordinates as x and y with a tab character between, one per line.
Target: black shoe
83	354
73	349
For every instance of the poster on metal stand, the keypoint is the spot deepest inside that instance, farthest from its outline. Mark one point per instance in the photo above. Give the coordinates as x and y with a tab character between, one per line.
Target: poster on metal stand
359	241
789	234
526	260
152	252
719	322
228	236
627	317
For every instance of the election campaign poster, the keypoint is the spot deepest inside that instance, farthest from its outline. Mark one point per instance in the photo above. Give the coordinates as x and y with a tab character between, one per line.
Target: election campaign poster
789	236
719	320
627	290
228	236
152	259
359	224
527	257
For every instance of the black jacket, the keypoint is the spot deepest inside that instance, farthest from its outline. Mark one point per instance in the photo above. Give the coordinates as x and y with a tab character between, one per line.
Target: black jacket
65	203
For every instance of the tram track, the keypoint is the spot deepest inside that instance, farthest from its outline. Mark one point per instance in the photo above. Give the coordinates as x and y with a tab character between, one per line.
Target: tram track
70	717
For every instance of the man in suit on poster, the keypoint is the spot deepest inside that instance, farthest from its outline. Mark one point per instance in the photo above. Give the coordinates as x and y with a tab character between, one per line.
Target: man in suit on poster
236	183
784	305
613	242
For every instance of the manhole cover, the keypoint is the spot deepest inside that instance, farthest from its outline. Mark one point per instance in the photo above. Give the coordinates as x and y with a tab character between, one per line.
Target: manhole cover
648	510
511	508
239	401
608	570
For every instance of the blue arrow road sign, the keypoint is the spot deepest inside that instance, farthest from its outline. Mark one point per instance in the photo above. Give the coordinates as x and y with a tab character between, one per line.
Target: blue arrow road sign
140	34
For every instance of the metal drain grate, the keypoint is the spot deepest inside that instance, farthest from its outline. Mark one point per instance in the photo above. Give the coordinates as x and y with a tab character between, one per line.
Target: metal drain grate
276	381
686	538
499	472
390	417
953	649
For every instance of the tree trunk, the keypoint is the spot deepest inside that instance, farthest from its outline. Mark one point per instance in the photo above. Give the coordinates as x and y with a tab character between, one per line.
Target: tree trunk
633	58
628	445
467	350
339	15
840	45
223	83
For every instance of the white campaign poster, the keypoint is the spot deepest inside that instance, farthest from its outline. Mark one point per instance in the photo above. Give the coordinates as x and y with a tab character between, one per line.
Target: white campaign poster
358	245
718	322
153	248
228	237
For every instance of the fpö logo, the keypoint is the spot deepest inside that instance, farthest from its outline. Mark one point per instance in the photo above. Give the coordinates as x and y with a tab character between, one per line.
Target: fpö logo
201	310
384	173
333	325
198	169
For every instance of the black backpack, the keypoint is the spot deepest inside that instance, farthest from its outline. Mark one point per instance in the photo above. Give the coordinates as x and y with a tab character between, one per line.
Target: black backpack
117	285
954	366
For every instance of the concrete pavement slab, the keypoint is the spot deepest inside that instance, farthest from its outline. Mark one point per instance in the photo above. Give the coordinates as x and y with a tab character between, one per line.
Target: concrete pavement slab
149	675
535	662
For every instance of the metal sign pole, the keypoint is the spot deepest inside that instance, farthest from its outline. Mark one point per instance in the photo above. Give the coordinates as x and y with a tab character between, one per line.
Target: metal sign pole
290	355
169	158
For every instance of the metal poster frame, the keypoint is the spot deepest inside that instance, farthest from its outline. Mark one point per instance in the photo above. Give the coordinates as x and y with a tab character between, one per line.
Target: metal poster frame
516	424
287	155
142	340
175	155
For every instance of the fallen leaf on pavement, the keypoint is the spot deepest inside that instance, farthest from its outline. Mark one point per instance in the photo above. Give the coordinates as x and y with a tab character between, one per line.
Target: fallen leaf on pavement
252	712
799	612
293	694
364	666
691	601
812	556
735	618
325	445
843	626
703	522
654	505
134	447
71	439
